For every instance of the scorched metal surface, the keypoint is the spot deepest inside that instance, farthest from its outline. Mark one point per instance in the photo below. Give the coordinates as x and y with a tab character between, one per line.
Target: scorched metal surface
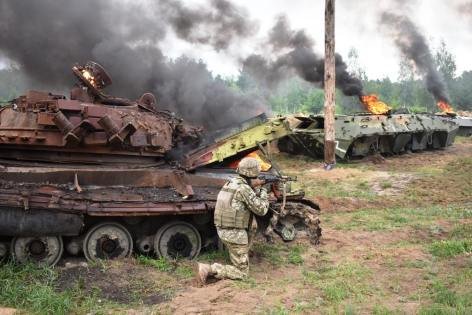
102	176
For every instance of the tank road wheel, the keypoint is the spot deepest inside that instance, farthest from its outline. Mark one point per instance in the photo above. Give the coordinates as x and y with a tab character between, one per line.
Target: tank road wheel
108	240
46	250
178	239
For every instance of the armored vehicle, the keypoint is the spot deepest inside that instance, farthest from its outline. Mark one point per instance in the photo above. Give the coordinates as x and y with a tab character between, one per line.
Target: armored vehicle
363	134
465	125
463	119
106	176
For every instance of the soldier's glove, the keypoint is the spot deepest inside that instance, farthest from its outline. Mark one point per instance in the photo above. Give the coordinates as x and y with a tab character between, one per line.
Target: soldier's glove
267	187
256	182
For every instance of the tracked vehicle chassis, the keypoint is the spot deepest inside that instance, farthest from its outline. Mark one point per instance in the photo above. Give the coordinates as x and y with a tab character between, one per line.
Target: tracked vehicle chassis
106	213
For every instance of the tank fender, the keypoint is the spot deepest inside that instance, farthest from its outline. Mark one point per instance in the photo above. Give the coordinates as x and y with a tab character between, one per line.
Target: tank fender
18	222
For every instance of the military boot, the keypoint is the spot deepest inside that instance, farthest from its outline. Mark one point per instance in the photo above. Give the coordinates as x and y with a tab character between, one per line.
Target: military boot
202	271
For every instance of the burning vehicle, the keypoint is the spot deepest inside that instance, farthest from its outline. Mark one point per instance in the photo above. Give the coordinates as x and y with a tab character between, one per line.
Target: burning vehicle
376	131
106	176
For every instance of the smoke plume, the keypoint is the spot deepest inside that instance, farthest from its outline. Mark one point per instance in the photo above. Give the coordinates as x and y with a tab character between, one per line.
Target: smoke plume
295	54
413	45
46	38
218	24
465	8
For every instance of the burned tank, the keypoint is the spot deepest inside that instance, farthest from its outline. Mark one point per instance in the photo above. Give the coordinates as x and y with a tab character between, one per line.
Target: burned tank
107	176
363	134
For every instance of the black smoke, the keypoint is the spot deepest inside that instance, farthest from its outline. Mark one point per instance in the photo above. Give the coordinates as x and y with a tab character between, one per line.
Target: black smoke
45	38
295	54
219	23
414	46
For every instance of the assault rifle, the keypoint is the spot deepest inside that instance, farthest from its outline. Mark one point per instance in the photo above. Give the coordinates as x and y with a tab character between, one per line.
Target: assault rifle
274	178
270	222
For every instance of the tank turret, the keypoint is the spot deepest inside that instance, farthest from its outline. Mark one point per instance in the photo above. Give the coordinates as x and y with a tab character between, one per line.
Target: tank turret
91	124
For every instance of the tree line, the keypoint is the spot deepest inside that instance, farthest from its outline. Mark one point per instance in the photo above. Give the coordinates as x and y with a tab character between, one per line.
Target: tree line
294	95
407	92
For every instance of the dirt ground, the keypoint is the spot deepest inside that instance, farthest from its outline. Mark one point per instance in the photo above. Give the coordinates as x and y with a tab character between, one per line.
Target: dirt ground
391	274
7	311
111	284
392	237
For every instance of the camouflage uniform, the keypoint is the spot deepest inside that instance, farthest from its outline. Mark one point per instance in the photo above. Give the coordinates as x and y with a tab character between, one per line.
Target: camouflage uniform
232	224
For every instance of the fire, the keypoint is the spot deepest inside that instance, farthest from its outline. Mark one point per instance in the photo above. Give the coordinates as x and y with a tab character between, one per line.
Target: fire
445	107
373	105
89	77
264	165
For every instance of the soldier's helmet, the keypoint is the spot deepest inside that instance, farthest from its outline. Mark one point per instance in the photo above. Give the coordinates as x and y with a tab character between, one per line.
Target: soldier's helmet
249	167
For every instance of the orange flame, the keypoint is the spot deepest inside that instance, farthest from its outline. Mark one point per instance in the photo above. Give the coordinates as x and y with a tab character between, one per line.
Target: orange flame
264	165
445	107
89	77
373	105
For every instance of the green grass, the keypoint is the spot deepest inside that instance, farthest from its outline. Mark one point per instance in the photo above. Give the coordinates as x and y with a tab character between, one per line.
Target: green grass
351	187
184	271
336	291
417	264
450	248
363	185
429	170
280	254
462	231
161	263
31	288
447	301
277	310
443	295
393	218
215	255
431	184
453	182
460	139
382	310
247	283
299	307
462	276
386	185
459	242
295	255
347	187
273	253
340	282
181	268
437	197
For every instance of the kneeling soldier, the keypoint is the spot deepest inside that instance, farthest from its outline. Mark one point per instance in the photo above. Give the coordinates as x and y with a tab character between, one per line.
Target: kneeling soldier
235	205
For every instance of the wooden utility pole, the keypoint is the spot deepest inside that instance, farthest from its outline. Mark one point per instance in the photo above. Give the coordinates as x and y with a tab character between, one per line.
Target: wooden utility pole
329	87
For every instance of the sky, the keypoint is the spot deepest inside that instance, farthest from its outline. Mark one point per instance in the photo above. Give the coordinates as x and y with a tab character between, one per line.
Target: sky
356	27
